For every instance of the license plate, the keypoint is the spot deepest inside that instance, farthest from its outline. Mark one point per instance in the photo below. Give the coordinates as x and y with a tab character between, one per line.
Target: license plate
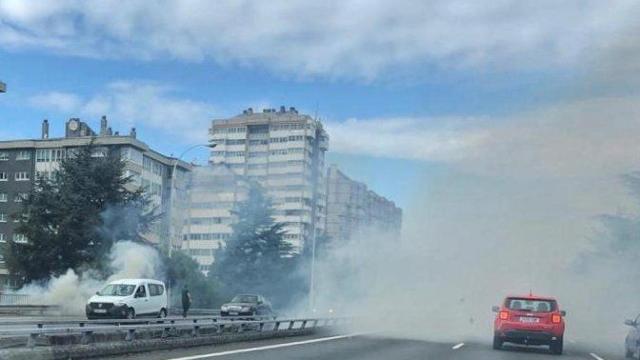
100	311
233	313
529	320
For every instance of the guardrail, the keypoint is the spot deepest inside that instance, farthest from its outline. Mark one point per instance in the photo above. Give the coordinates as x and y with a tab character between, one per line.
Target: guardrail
42	323
171	327
27	309
15	299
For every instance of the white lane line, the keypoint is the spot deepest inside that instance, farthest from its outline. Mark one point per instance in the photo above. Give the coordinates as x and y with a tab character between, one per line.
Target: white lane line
456	347
596	356
268	347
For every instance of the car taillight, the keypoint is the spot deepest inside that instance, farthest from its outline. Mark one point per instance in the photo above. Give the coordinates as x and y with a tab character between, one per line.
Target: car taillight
504	315
555	318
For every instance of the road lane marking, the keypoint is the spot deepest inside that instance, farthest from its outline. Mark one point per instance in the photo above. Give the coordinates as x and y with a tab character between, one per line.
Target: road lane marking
456	347
268	347
596	356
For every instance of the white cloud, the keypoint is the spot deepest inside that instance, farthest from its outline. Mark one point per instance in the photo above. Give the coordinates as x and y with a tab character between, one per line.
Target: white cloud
135	103
60	101
594	137
340	38
407	138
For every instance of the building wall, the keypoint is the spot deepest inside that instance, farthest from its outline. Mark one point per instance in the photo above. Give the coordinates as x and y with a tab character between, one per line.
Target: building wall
353	209
284	151
213	194
149	169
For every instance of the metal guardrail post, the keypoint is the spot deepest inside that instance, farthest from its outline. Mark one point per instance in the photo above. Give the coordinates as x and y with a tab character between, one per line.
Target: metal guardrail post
31	341
315	323
291	324
277	326
165	332
131	335
87	336
304	324
195	331
261	326
220	328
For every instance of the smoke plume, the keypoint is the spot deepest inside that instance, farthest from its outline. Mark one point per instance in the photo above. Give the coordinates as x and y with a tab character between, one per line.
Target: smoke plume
72	290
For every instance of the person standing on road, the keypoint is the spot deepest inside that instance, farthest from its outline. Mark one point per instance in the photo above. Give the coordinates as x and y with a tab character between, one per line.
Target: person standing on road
186	301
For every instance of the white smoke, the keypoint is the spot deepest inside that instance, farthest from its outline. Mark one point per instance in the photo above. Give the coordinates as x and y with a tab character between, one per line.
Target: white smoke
71	290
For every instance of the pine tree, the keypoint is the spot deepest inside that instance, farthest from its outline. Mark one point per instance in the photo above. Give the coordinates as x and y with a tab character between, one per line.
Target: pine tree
256	256
72	220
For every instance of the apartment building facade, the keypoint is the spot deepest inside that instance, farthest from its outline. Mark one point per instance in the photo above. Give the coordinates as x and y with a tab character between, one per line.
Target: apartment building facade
23	161
213	192
353	209
283	151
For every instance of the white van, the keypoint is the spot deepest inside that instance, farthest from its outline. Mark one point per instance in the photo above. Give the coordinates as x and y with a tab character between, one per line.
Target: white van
128	298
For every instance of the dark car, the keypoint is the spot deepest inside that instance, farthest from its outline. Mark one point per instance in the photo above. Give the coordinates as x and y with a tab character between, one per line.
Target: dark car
632	343
247	305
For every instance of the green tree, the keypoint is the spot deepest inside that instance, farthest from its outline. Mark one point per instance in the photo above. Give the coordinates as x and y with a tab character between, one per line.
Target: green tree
182	270
256	258
72	220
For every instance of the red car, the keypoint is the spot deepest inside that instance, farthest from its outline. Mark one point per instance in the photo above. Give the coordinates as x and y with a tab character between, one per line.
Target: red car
529	320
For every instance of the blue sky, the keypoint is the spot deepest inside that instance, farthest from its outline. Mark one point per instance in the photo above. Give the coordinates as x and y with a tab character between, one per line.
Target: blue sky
404	92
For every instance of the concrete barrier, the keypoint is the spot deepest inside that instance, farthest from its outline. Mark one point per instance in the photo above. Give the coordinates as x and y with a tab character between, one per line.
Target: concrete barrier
156	341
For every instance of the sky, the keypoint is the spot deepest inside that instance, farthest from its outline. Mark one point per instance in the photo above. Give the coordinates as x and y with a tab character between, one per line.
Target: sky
408	92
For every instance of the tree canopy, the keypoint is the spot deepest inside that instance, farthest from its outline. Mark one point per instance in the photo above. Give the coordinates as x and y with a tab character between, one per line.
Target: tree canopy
72	219
256	258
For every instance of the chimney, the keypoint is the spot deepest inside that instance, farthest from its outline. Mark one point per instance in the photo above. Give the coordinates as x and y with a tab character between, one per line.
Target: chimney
133	133
109	131
293	110
45	129
103	125
250	110
283	109
117	133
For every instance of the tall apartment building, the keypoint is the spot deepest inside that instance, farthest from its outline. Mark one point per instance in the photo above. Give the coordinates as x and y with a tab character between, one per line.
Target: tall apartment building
213	193
353	209
283	151
22	161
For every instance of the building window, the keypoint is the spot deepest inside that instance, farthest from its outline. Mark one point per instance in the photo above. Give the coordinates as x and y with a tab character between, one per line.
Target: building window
4	156
47	155
20	196
19	238
22	176
3	217
99	152
2	238
3	197
23	155
3	176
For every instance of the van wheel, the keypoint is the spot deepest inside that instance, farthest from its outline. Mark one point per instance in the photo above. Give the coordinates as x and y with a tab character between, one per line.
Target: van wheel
131	314
163	313
497	343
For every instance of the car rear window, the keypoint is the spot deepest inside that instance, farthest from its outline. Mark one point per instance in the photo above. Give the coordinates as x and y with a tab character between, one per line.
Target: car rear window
530	305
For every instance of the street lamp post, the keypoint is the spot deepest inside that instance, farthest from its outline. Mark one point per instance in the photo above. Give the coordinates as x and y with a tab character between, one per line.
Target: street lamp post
172	232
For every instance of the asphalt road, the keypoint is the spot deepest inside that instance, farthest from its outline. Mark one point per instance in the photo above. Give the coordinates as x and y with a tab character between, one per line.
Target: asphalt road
368	348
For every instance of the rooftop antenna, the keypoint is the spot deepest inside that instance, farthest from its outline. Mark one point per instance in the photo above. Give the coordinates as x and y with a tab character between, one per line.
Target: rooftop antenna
316	114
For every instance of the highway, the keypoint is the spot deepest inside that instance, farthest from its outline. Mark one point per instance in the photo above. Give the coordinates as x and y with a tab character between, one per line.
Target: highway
368	347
